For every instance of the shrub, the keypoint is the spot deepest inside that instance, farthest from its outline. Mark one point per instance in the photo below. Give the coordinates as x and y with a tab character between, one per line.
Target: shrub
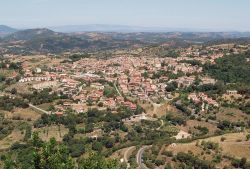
168	153
159	162
222	139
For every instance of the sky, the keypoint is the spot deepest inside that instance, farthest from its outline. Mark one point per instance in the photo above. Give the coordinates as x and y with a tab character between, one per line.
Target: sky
233	15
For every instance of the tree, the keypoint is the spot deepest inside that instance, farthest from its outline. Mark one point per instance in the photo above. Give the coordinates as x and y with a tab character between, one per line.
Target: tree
13	91
168	166
53	156
224	125
171	86
145	74
109	92
159	162
2	78
100	104
243	161
97	146
248	137
89	102
230	69
9	163
95	161
36	141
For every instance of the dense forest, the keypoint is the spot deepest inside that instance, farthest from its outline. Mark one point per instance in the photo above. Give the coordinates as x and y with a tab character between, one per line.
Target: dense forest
37	154
231	68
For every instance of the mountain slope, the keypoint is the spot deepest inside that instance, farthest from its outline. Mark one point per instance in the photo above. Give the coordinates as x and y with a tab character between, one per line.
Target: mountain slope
29	34
47	41
5	30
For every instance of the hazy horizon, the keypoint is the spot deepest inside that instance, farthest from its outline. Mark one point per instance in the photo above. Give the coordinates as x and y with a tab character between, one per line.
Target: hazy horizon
210	15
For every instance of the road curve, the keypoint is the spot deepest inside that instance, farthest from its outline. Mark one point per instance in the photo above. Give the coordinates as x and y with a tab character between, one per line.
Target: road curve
125	156
162	123
139	157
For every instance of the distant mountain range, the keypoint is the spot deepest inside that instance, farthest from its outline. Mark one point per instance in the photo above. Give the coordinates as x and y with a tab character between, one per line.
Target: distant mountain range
126	29
100	37
113	28
47	41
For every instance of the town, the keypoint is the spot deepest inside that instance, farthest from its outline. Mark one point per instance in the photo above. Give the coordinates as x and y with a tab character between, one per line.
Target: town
136	105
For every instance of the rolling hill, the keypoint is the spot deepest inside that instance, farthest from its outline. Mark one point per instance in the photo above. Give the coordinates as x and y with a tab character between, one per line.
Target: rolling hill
6	30
44	40
47	41
30	34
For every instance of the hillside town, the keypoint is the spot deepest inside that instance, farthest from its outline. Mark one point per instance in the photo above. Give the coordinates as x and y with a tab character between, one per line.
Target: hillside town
133	84
147	97
136	79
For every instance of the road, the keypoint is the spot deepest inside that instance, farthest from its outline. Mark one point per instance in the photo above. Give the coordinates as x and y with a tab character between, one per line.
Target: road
117	89
139	156
126	155
162	123
37	108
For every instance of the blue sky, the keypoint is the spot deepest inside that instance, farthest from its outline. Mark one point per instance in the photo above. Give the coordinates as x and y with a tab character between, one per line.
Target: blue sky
199	14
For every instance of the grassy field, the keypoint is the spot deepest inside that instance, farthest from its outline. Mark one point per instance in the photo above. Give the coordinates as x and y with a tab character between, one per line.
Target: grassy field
6	72
45	133
165	107
38	61
22	88
235	145
26	114
158	110
15	136
44	106
231	114
147	107
191	124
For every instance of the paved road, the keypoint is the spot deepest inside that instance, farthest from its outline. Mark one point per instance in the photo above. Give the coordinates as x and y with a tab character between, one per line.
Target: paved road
139	156
37	108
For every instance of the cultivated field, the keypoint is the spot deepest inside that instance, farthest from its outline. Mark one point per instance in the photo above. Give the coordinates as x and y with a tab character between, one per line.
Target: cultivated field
45	133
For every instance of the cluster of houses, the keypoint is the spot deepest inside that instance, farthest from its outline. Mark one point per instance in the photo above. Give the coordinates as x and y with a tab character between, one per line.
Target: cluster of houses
202	98
141	88
81	107
185	81
83	81
187	68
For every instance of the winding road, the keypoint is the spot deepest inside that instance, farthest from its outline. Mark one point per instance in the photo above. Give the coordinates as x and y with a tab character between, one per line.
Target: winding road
126	155
139	156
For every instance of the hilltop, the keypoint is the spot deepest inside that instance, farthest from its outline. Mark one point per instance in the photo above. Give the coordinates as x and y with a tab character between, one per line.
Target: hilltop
30	34
5	30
